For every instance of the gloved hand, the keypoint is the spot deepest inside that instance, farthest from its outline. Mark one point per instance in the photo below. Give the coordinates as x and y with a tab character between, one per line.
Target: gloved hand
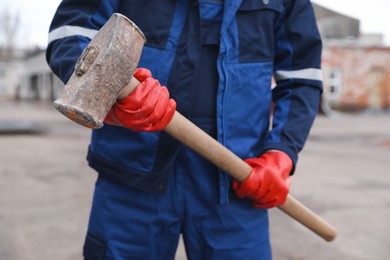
269	181
147	108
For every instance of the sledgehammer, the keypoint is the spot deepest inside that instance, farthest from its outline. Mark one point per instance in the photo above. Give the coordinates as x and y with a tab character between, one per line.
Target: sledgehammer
106	65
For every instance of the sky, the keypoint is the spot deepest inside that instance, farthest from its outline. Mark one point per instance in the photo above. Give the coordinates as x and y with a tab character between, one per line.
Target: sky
35	18
36	15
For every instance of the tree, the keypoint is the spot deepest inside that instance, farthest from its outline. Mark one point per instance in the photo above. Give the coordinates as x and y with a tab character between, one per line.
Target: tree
9	26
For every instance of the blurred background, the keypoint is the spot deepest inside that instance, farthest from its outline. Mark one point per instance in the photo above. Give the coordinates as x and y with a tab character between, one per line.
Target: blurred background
343	173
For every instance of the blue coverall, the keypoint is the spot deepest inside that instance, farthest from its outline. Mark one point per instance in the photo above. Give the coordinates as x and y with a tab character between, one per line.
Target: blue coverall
217	60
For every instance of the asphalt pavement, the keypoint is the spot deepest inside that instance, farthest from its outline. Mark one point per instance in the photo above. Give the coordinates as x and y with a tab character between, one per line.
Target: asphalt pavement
46	187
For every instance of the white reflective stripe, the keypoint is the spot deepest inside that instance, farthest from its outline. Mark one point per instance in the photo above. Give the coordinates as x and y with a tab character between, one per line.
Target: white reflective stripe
312	74
69	30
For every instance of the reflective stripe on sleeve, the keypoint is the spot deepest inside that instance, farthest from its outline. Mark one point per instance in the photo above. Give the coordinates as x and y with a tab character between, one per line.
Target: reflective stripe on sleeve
311	74
68	30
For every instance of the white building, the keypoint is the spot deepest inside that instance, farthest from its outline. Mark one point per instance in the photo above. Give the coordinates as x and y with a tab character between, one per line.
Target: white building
9	78
37	81
28	78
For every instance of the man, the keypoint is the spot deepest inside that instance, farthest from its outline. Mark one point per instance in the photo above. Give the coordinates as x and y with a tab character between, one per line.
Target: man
217	59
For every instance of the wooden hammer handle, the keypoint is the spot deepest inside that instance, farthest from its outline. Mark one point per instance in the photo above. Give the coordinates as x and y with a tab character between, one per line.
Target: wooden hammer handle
189	134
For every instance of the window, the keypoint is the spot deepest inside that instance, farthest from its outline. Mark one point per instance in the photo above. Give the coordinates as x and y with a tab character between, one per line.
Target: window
334	83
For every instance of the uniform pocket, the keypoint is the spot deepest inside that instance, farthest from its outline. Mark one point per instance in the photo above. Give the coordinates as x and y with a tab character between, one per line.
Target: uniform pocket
255	22
94	248
121	147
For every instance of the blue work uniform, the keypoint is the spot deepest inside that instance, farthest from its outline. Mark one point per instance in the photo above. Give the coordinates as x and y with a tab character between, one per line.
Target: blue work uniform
217	61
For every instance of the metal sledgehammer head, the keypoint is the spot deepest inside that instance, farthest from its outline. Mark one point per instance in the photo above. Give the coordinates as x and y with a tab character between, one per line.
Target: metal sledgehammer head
103	69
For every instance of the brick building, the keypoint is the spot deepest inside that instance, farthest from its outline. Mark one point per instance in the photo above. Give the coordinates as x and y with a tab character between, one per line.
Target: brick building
356	77
356	66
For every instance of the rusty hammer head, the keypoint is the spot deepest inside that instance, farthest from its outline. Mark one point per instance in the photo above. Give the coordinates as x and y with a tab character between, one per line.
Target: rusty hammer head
103	69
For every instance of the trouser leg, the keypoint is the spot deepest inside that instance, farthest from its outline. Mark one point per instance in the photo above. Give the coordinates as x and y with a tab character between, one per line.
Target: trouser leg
214	231
126	223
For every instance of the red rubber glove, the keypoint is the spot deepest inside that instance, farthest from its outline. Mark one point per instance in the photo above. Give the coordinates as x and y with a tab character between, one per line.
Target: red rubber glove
148	108
269	181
